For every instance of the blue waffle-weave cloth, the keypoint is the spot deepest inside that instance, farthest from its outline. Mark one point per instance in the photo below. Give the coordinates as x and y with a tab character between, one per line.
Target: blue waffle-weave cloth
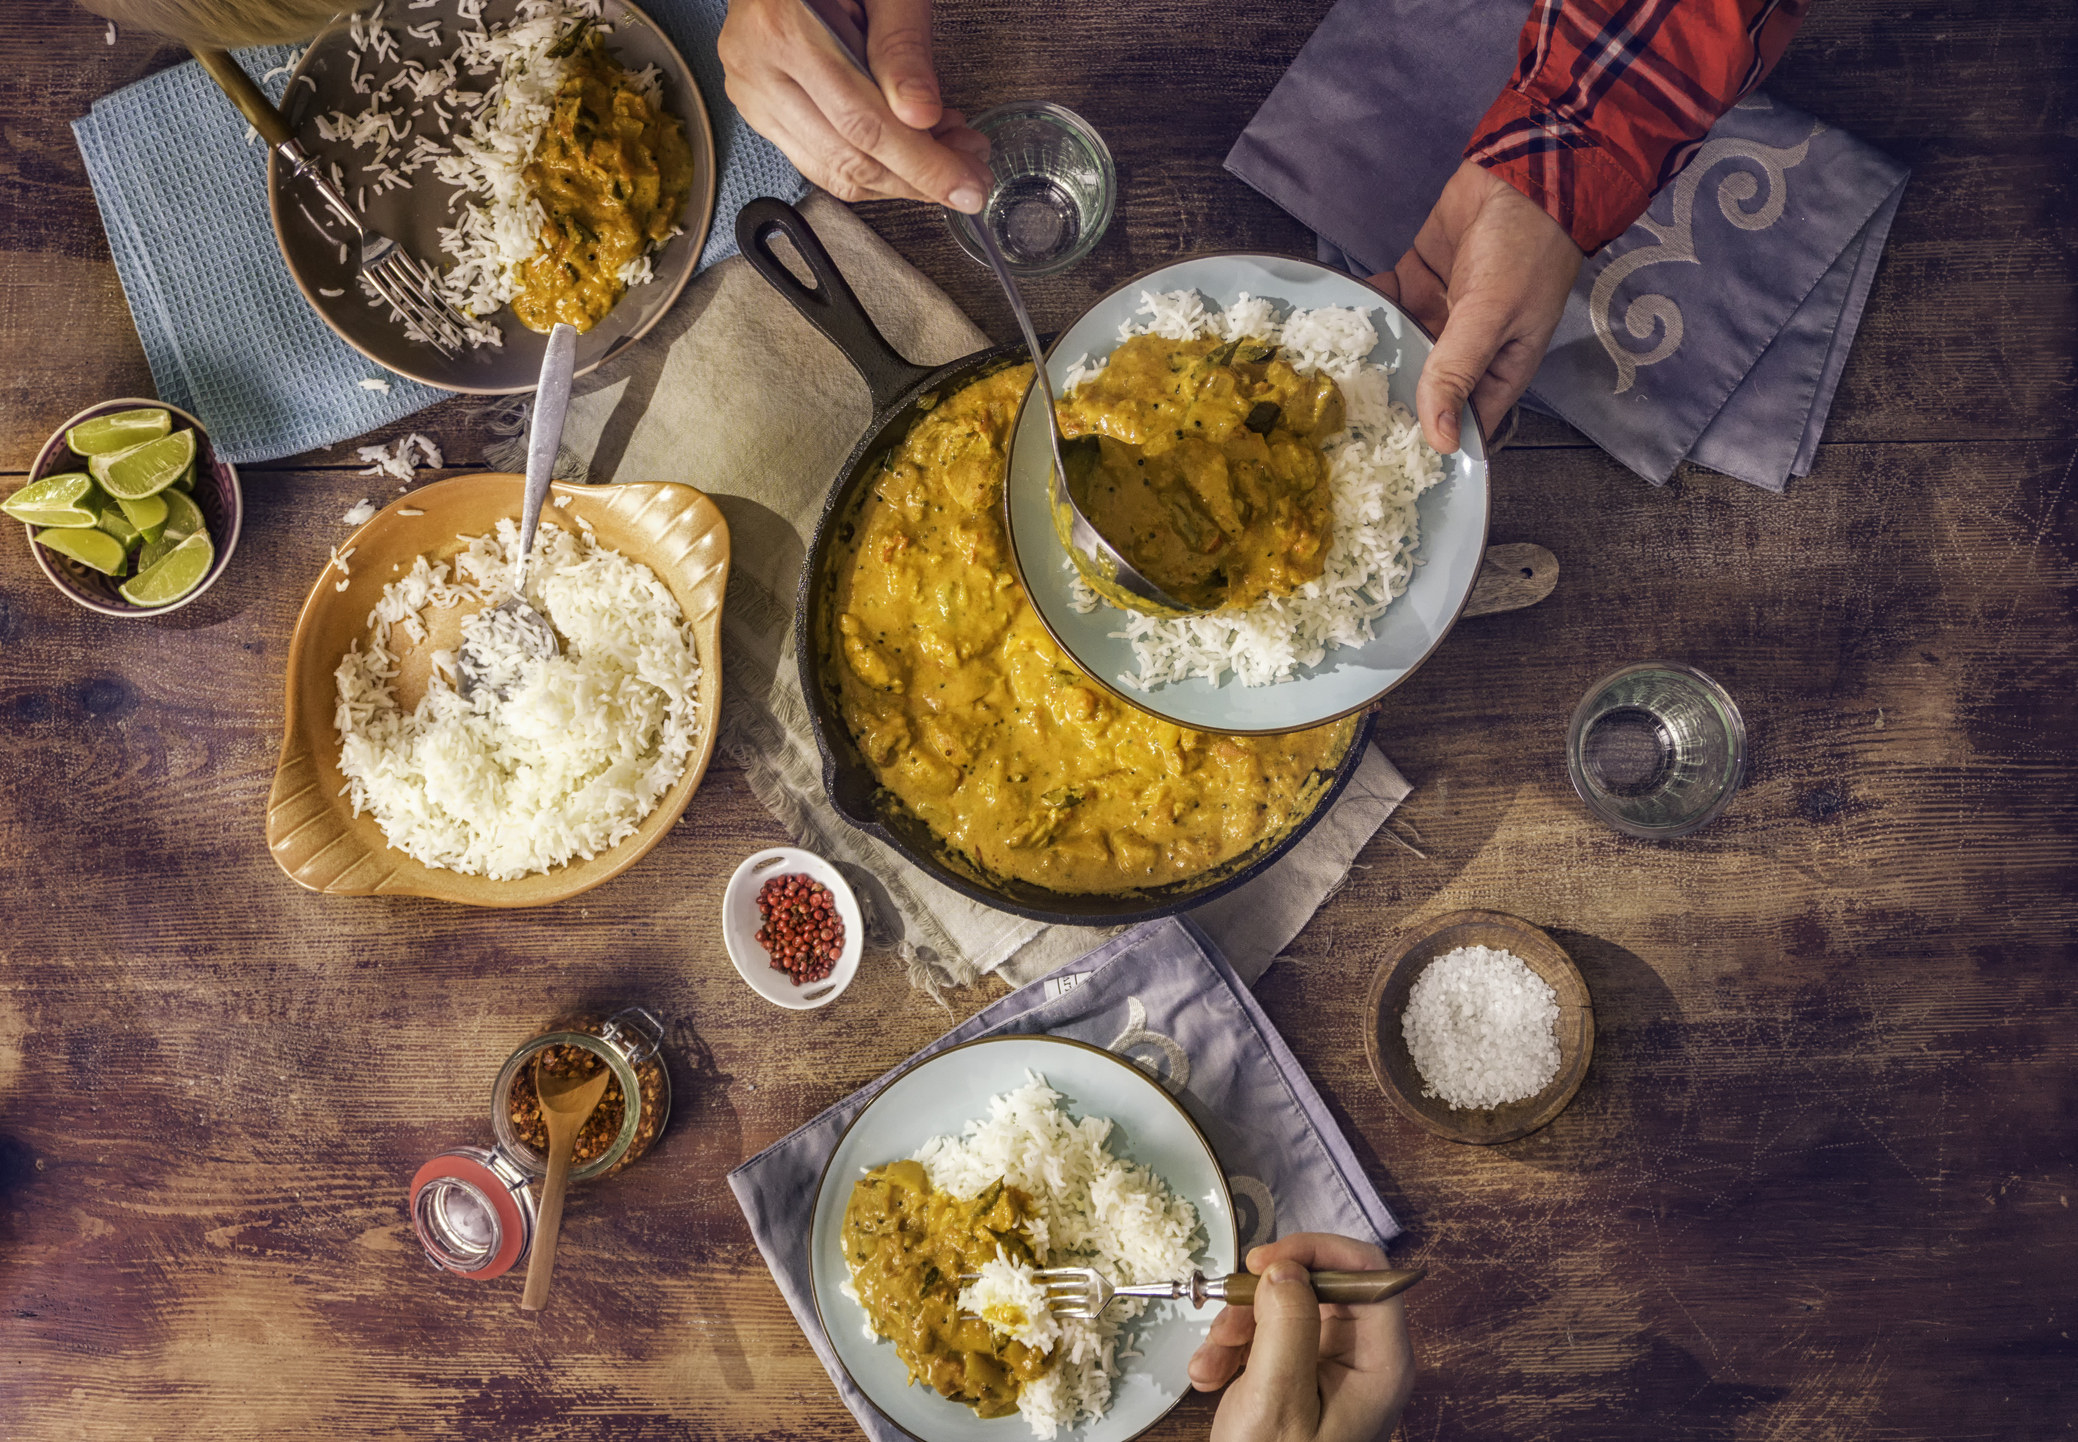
183	197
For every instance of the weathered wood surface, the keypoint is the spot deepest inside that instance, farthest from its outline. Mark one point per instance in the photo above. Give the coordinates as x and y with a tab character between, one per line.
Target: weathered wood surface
1818	1182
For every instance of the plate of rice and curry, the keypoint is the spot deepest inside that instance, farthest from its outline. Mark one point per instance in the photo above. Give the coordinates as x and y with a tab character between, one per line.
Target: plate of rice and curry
963	725
1242	428
962	1176
551	159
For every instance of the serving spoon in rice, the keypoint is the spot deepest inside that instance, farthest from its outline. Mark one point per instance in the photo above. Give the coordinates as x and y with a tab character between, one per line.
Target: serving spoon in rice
514	619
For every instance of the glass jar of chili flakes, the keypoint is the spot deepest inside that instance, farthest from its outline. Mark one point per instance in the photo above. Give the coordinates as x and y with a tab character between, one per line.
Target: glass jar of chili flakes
616	1133
473	1208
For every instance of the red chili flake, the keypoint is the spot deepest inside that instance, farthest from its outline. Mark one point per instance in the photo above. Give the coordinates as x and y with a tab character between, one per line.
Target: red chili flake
803	934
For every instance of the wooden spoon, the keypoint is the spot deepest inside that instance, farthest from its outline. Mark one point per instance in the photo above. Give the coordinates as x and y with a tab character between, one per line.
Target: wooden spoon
566	1104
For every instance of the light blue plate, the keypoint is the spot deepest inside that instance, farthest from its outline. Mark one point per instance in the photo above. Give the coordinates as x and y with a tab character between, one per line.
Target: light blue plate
941	1095
1453	517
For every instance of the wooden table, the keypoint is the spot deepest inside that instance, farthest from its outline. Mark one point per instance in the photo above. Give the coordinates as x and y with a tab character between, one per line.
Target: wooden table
1819	1183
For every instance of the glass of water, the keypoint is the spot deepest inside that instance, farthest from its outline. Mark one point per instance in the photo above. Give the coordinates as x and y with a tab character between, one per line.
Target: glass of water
1656	749
1055	188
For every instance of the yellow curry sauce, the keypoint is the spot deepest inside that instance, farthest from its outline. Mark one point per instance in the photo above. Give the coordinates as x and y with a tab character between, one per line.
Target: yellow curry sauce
1206	470
981	726
612	172
907	1245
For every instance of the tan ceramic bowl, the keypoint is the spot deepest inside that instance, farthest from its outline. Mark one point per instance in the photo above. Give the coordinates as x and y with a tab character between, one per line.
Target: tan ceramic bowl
311	830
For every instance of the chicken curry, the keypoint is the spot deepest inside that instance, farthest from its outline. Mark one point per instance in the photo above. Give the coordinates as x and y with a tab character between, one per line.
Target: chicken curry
907	1245
1200	461
977	722
611	172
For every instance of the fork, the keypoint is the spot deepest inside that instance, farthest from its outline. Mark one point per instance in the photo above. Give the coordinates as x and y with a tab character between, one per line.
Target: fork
391	272
1086	1292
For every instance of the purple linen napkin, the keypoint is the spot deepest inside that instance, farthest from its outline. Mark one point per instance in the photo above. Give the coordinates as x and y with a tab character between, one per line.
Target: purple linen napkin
1162	996
1714	330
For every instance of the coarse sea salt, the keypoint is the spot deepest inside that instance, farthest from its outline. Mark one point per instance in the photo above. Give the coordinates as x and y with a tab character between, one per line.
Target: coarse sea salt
1482	1028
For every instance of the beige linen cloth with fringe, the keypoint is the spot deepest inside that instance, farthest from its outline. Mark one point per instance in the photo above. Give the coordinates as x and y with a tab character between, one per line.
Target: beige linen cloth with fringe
737	395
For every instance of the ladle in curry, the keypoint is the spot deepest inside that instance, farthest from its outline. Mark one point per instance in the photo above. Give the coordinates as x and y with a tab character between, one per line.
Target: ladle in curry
1108	572
567	1103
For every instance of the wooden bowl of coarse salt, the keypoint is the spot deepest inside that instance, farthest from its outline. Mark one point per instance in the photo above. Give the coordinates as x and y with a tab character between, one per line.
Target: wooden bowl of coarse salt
1501	1023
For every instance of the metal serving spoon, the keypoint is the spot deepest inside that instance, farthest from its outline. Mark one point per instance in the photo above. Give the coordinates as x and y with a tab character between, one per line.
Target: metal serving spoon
1109	573
531	629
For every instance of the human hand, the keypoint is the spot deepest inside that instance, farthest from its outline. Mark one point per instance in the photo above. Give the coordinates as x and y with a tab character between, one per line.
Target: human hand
886	138
1308	1372
1488	275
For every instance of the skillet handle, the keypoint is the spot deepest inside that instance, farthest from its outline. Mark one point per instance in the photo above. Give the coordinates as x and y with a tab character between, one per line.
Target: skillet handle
829	305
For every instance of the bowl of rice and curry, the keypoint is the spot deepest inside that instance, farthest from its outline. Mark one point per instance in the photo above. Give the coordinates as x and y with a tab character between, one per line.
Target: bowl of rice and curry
977	1166
983	712
552	160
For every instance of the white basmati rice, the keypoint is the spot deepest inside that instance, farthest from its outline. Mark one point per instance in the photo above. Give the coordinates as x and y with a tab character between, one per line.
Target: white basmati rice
1006	1294
571	758
1093	1210
401	459
1378	466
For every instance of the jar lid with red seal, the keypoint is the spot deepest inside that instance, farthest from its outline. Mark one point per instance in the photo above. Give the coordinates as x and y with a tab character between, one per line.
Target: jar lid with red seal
473	1212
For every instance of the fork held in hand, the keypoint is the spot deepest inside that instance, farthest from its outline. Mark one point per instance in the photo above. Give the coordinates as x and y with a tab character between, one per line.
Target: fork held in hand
408	286
1086	1292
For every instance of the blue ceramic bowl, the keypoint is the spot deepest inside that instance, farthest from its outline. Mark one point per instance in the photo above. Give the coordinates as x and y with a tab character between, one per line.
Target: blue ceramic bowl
1453	516
940	1095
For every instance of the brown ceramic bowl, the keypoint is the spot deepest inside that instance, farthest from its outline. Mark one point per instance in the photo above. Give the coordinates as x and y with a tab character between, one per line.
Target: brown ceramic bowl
1386	1045
311	830
216	494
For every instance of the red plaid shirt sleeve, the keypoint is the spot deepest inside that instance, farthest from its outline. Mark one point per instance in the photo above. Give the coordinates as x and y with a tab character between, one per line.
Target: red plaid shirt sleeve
1611	98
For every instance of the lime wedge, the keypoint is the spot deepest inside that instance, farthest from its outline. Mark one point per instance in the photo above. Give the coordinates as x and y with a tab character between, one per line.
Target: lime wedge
153	552
68	501
173	575
183	516
97	549
185	481
144	514
116	524
144	470
105	435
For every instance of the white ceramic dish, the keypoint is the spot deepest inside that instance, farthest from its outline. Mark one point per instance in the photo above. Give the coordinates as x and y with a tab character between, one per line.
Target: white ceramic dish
1453	517
740	923
941	1094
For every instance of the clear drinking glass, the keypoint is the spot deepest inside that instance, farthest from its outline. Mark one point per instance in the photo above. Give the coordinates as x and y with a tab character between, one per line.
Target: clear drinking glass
1055	188
1656	749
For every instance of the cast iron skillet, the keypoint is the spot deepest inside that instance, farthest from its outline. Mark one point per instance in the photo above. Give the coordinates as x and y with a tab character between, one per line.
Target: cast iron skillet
901	392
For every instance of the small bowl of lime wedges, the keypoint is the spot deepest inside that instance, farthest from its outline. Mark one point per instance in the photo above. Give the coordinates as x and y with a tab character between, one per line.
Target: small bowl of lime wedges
128	509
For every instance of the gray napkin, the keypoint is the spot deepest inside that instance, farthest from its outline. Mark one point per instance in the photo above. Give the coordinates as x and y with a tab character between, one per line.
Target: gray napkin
736	394
1162	996
183	198
1714	330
